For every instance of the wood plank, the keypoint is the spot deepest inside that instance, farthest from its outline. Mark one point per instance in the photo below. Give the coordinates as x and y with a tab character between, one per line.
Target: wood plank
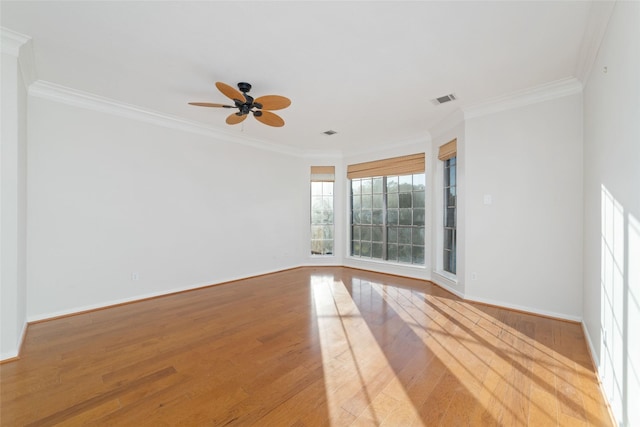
305	347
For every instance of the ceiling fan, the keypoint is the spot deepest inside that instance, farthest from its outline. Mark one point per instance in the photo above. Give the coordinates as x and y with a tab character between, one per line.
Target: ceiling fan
260	107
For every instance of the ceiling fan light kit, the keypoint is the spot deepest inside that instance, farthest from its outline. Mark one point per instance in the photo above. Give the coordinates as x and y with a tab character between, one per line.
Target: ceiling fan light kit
260	107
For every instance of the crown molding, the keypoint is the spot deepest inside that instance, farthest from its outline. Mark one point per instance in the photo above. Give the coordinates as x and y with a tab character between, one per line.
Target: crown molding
534	95
20	46
65	95
444	126
418	140
597	22
12	41
322	154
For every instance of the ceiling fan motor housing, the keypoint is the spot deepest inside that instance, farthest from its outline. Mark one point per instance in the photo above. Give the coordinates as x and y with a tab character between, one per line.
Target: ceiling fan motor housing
244	87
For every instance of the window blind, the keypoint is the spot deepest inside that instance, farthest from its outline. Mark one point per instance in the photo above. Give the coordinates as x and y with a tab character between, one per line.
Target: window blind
323	173
448	150
403	165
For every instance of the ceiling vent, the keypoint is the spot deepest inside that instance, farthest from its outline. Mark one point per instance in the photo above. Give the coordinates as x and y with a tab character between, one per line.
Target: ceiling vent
330	132
443	99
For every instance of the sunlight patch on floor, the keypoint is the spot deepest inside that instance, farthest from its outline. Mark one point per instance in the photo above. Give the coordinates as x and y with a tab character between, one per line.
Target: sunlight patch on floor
360	385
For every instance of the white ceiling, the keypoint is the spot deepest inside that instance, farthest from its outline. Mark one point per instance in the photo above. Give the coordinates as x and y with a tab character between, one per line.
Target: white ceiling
365	69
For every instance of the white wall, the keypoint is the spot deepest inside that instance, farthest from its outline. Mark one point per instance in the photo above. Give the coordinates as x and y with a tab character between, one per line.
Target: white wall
611	306
120	209
13	168
524	250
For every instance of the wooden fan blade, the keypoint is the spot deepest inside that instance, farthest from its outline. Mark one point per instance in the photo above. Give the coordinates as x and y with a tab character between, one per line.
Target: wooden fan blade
210	104
273	102
230	92
234	119
271	119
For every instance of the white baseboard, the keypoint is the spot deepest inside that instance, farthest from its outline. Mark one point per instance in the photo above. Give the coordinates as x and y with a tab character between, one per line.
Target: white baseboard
80	309
526	309
14	353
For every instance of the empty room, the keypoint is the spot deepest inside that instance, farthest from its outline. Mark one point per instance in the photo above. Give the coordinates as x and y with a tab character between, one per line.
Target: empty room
322	213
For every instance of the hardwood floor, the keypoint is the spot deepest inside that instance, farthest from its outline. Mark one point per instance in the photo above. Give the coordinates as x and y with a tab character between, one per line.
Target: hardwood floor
310	346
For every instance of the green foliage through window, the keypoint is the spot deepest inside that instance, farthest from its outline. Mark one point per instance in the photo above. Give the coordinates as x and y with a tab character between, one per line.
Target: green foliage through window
321	218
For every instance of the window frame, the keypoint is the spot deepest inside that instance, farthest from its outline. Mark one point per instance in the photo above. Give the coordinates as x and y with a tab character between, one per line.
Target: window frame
417	250
323	180
449	215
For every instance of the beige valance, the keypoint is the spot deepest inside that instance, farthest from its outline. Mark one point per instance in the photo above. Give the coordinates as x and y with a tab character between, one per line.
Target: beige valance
448	150
403	165
323	173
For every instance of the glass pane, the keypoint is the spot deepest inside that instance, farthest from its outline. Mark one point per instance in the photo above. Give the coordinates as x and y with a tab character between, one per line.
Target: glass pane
316	188
392	252
365	233
452	161
448	239
328	217
376	234
327	203
327	188
356	217
449	261
376	250
450	219
392	200
356	202
378	201
418	182
405	200
452	262
366	201
453	242
376	216
355	248
327	232
452	176
355	186
418	217
404	253
316	217
404	235
377	185
418	254
316	202
445	261
355	232
405	216
446	174
392	234
406	183
366	186
365	249
328	247
392	184
365	216
418	236
392	216
451	196
418	199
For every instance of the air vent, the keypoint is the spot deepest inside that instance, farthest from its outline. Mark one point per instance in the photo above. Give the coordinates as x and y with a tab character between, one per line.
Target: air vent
443	99
330	132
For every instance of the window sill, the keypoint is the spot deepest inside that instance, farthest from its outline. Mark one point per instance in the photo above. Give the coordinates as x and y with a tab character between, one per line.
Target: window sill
392	264
446	275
